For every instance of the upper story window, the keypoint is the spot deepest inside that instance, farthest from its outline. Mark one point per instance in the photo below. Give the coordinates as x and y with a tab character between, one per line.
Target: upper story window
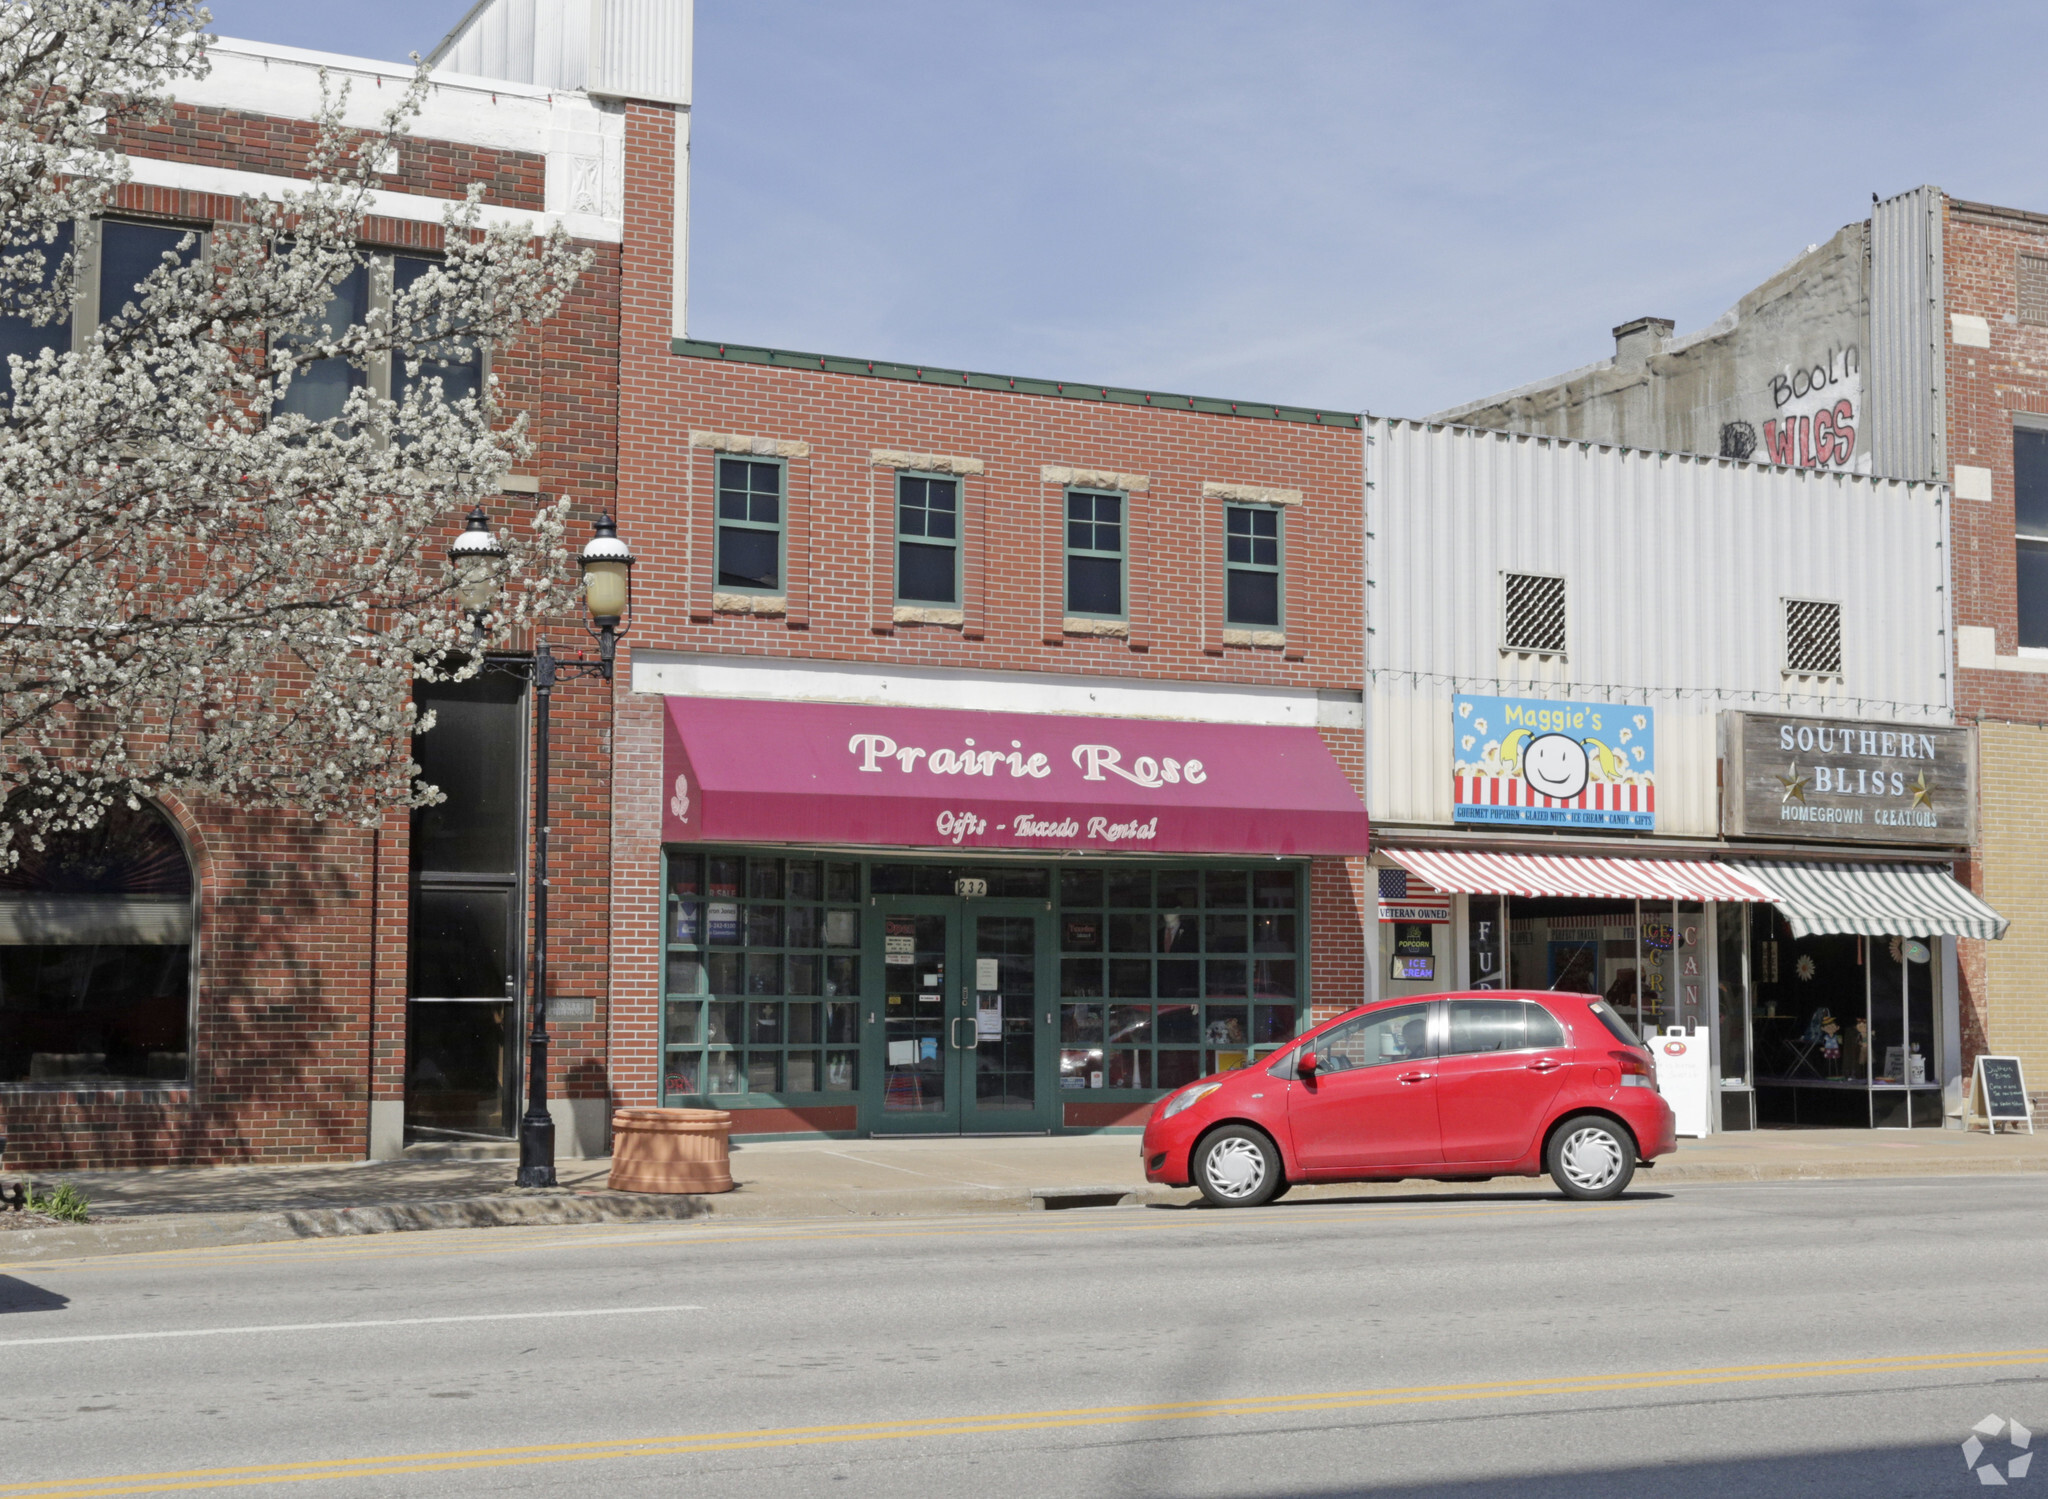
1095	554
19	332
458	363
1813	637
1532	613
927	540
320	390
114	257
2030	539
1253	595
750	520
129	252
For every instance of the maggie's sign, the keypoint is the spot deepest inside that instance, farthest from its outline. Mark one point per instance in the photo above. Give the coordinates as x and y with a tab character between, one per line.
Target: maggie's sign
1847	781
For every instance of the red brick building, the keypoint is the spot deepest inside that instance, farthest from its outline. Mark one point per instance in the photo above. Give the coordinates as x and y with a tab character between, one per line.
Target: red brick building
863	464
284	1019
1153	600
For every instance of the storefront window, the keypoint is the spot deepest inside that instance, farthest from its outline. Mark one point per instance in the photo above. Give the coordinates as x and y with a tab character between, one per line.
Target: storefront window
1844	1028
96	955
763	976
1171	974
1157	976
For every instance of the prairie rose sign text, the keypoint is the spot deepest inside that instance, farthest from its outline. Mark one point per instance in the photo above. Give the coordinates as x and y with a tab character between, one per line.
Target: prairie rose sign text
852	775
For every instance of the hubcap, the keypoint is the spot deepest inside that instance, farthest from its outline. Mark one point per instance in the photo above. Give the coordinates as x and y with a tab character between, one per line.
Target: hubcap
1591	1158
1235	1168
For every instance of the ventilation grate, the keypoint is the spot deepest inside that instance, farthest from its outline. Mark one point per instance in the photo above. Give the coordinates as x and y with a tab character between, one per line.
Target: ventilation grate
1813	638
1532	613
2033	279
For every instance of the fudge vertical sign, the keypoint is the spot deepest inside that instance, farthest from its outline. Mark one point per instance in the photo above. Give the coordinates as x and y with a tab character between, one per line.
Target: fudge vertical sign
1847	781
1550	763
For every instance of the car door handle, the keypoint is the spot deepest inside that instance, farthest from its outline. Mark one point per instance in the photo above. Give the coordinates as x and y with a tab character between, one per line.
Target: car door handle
1544	1064
1414	1077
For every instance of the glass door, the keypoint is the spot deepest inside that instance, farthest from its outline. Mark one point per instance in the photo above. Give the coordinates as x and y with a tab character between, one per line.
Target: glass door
920	994
1005	1027
965	1018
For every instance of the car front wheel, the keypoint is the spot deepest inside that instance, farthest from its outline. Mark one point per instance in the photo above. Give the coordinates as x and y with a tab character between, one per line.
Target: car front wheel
1591	1158
1237	1168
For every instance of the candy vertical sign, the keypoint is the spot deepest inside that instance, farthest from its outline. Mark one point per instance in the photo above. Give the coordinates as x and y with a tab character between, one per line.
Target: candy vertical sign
1548	763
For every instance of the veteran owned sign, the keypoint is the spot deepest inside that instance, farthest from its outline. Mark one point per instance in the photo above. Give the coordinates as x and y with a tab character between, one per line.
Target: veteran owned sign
1833	780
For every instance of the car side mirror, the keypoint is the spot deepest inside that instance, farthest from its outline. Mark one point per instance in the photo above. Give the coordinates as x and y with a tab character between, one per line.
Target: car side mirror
1306	1067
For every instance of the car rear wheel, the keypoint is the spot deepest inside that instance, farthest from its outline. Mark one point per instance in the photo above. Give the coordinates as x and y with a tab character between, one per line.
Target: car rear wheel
1591	1158
1237	1168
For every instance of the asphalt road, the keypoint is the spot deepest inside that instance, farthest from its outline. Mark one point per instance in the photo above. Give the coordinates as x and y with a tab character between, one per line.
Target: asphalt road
1817	1338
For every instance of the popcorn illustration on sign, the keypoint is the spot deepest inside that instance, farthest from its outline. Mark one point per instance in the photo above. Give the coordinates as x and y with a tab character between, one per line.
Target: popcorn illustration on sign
1553	763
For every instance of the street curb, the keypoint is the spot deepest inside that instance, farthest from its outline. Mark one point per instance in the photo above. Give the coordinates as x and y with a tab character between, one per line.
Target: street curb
177	1231
167	1231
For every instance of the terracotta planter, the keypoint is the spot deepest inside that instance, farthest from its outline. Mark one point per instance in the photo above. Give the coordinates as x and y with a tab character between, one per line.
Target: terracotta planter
671	1150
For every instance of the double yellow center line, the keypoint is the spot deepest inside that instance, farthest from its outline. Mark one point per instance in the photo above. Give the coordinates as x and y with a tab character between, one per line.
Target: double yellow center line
928	1428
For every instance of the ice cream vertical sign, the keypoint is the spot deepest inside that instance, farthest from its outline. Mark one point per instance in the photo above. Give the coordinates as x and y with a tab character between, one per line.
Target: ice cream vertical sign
1548	763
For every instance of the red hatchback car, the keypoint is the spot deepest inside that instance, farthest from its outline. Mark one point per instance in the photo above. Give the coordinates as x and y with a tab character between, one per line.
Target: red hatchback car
1455	1087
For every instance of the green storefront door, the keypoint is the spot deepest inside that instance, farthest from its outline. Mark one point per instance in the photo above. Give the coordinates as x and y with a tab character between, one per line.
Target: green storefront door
965	1041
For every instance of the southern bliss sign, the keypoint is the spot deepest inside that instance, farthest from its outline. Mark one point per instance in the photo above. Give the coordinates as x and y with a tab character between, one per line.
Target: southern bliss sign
1847	780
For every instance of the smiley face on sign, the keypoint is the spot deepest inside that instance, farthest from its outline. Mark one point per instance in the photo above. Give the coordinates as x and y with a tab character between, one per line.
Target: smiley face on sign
1555	765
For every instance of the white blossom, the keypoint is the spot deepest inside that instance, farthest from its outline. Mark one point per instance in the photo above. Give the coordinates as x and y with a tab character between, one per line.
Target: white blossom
200	593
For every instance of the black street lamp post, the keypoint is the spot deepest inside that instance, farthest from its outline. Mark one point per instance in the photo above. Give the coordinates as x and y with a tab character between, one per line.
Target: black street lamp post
607	565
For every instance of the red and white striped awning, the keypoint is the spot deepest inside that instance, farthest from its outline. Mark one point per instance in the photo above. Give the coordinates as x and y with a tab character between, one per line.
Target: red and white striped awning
1607	878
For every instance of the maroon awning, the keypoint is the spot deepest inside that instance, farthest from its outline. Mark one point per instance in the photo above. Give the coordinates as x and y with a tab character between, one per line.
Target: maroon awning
761	772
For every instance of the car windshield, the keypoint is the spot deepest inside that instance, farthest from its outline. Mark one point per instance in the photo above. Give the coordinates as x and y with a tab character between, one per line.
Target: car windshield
1616	1026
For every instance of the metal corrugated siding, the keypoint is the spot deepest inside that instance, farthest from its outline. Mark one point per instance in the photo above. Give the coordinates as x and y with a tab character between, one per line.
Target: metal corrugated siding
542	42
627	49
1907	339
642	50
1676	567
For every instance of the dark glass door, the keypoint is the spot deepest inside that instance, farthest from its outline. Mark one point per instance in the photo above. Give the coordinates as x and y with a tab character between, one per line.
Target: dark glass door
463	1024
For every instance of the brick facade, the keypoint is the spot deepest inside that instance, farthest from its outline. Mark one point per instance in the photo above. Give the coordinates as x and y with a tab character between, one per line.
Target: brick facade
300	1009
2003	1009
838	604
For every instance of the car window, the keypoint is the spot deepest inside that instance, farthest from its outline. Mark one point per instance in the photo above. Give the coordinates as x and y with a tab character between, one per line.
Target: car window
1616	1026
1544	1029
1486	1025
1399	1034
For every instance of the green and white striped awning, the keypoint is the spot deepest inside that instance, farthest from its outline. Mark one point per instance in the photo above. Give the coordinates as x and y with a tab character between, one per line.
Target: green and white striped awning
1876	900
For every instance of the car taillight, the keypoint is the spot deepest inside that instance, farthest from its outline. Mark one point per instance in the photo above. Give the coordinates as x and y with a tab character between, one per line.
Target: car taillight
1637	1071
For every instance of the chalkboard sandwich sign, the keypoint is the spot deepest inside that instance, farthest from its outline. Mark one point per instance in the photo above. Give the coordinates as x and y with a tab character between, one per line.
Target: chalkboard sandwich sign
1998	1095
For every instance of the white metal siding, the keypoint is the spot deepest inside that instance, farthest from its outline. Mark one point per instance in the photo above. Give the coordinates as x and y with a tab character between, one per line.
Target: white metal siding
1908	343
1676	567
631	49
641	50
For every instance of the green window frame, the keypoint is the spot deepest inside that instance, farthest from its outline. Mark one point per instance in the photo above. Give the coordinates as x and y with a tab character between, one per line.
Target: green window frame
1254	567
1169	974
762	983
753	513
928	524
1097	570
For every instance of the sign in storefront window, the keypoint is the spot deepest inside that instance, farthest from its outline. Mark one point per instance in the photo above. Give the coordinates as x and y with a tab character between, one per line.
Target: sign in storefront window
1550	763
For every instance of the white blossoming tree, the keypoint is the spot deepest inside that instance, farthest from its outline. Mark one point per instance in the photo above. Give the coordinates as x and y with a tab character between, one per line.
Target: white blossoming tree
205	590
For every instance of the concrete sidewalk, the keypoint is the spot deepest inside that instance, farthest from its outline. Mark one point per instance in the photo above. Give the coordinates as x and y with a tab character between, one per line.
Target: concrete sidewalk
137	1210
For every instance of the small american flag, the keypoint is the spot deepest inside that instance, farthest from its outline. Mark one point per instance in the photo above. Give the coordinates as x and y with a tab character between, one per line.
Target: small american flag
1401	884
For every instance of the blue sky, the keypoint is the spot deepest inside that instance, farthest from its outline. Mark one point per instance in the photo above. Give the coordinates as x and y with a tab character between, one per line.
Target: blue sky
1333	202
